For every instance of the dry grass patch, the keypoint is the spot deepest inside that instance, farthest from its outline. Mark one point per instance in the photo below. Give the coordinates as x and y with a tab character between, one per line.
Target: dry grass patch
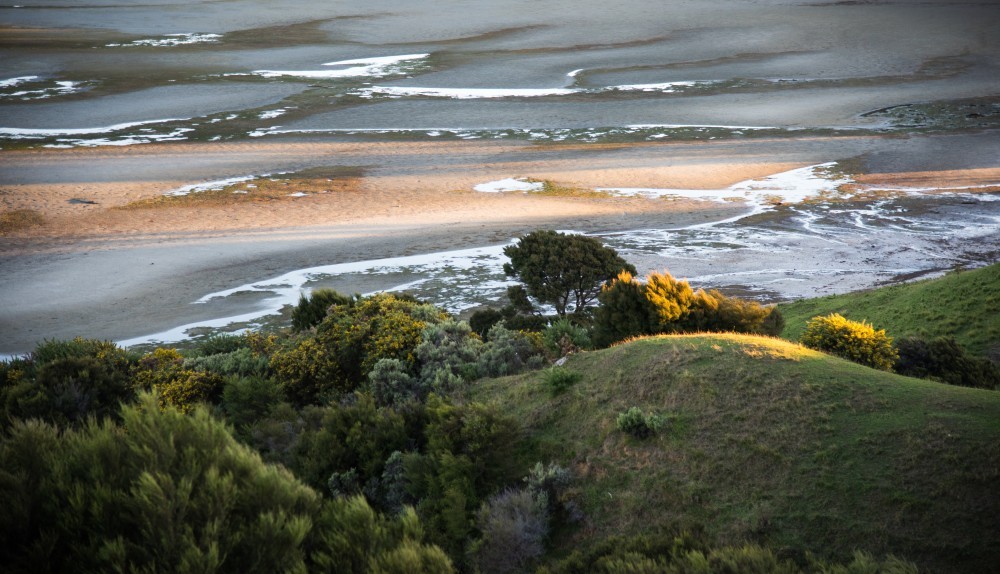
279	187
19	220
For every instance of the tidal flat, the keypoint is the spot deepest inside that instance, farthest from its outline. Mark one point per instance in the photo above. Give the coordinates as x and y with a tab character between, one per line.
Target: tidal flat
652	119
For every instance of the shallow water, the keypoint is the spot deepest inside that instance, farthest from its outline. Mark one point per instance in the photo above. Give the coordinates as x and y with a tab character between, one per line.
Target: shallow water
496	65
804	233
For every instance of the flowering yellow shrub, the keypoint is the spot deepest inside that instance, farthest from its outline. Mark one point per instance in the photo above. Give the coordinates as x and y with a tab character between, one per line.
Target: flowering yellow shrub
854	341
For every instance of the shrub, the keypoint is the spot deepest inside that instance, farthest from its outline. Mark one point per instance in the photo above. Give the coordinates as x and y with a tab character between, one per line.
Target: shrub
245	400
348	344
448	348
162	370
391	385
105	351
149	498
167	492
68	390
509	352
514	525
640	425
313	309
241	362
713	311
624	311
562	337
851	340
669	297
942	359
222	343
558	379
483	320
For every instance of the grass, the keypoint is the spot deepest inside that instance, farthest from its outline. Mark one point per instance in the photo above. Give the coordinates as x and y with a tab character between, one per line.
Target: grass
962	304
278	187
18	220
769	442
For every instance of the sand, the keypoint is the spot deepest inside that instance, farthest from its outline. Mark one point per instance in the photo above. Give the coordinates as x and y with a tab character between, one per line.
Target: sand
97	270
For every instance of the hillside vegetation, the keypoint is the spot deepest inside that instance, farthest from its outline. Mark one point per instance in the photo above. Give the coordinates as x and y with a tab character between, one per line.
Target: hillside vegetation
768	441
962	304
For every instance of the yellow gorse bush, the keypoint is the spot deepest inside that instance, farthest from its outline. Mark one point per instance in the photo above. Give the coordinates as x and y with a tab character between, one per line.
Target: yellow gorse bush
852	340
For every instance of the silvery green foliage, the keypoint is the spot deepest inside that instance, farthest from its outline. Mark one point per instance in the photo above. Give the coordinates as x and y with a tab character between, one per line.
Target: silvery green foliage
391	384
508	353
514	525
448	355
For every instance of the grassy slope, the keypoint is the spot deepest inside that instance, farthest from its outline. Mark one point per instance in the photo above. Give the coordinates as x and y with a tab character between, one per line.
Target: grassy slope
965	305
774	443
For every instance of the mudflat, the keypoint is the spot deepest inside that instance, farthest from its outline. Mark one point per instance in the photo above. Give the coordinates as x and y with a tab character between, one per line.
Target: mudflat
352	132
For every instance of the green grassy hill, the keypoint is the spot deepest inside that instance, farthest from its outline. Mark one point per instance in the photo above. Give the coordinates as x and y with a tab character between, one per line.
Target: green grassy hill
773	443
963	304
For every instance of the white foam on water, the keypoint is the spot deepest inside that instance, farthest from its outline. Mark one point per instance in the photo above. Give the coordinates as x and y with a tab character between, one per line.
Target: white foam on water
509	184
271	114
492	93
29	133
665	87
364	67
794	186
464	93
60	88
11	82
170	40
213	185
176	135
287	288
574	73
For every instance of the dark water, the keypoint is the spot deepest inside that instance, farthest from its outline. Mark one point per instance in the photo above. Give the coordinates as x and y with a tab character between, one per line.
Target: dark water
74	72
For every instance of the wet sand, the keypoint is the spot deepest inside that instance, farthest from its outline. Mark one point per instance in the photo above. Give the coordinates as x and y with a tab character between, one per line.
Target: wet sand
95	270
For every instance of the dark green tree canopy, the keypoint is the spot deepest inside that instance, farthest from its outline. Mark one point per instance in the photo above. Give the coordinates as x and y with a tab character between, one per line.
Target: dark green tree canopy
565	271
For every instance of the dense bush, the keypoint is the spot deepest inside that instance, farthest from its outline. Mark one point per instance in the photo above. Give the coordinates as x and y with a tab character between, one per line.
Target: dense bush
663	304
687	554
624	312
168	492
562	337
107	352
68	390
391	384
854	341
312	310
355	435
246	400
715	312
222	343
483	320
942	359
559	379
468	455
638	424
347	345
163	371
241	362
448	355
513	525
508	352
66	381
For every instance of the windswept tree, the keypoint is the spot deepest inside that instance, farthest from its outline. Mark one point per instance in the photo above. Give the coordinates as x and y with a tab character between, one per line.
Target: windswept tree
565	271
